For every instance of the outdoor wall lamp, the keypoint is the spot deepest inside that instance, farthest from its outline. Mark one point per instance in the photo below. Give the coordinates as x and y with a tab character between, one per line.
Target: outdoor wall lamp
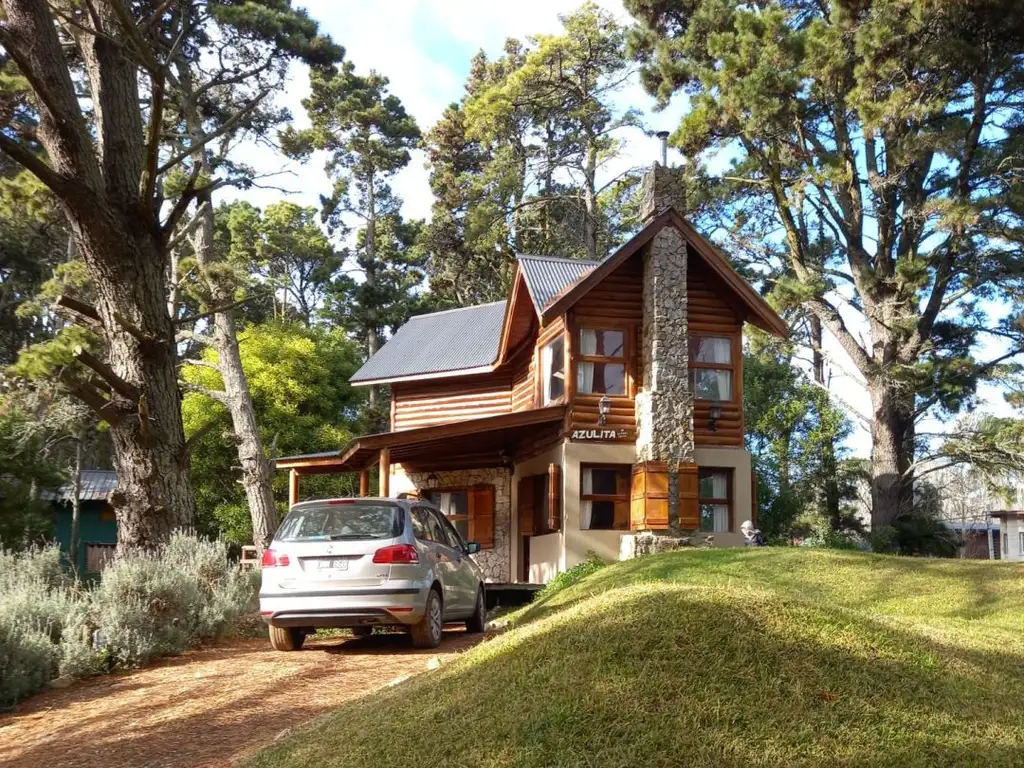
715	413
604	407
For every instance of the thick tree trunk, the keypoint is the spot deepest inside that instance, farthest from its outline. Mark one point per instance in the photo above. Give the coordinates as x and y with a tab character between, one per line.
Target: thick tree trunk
892	434
127	265
590	203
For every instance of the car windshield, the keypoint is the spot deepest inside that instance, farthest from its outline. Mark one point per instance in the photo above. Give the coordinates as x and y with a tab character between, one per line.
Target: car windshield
342	521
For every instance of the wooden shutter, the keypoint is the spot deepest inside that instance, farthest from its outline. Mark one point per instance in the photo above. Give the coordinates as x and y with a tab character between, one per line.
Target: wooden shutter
649	496
622	484
524	506
481	516
554	498
689	497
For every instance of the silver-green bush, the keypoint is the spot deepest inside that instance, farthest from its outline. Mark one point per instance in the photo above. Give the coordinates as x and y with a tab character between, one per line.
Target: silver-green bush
146	605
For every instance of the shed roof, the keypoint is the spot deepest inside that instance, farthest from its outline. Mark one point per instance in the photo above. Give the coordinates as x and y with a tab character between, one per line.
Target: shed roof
97	485
440	342
547	276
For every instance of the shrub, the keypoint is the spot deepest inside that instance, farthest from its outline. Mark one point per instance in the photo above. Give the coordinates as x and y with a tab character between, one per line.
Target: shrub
571	576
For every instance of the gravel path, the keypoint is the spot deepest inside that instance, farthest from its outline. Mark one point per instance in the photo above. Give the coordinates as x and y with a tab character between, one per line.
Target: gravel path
212	707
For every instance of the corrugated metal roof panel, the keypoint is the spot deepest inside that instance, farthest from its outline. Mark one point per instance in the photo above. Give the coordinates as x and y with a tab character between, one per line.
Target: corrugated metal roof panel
97	485
548	276
452	340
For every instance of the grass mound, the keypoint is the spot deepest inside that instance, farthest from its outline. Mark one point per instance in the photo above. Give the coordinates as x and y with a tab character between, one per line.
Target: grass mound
714	658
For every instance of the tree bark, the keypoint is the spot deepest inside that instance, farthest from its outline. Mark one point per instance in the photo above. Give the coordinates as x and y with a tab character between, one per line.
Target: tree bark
370	273
892	432
76	506
829	462
590	203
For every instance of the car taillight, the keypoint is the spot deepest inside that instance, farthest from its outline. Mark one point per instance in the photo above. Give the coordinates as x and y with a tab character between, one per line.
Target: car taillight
397	553
272	559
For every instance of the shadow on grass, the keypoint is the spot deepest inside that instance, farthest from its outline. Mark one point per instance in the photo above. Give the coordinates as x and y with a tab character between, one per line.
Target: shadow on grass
674	675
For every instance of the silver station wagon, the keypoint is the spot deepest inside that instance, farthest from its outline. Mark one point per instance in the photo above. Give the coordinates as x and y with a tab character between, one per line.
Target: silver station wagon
364	562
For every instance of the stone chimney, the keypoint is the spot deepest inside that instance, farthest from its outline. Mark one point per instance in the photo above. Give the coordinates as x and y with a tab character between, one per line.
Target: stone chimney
664	403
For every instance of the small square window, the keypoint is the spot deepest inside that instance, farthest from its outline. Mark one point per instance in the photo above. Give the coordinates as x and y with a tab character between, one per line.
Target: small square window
553	370
604	497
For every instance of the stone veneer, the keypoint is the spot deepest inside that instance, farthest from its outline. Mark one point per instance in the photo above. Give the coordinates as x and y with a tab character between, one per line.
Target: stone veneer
495	563
664	403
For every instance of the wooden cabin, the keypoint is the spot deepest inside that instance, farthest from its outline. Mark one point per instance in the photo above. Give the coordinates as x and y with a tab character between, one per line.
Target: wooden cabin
599	401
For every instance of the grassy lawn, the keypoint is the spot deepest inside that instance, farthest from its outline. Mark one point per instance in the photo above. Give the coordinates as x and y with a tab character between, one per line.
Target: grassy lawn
716	658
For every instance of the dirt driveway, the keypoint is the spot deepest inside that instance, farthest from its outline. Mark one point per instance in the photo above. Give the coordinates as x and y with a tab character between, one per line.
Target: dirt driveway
211	707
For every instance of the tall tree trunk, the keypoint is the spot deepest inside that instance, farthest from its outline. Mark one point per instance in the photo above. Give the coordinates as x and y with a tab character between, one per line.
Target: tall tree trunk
76	506
590	202
892	433
370	273
829	463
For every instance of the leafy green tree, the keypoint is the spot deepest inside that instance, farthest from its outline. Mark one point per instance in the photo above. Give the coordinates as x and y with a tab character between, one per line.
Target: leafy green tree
298	377
367	135
794	432
101	93
881	141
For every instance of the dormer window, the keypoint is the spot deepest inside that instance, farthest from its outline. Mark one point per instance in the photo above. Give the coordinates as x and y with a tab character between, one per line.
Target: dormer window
711	366
553	371
601	368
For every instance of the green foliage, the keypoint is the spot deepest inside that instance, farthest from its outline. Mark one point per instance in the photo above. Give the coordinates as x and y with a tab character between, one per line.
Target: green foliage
146	605
298	378
571	576
25	470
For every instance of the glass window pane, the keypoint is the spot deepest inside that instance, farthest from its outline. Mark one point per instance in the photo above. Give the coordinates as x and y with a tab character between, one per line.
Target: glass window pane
714	518
602	342
554	370
602	515
711	349
601	379
714	485
603	481
712	384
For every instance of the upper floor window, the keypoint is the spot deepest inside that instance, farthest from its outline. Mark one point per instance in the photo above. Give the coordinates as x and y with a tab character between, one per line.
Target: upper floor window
553	371
711	367
601	369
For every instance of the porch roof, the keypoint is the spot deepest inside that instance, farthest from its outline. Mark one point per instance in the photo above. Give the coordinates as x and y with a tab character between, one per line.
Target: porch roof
475	443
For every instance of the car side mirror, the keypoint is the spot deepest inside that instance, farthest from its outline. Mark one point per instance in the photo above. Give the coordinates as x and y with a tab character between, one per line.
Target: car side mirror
472	547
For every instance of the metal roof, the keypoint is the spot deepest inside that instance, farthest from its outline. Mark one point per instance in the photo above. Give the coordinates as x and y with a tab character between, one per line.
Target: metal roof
548	276
97	485
452	340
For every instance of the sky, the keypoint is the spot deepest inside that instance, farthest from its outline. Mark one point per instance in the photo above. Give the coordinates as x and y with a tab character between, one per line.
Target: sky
424	47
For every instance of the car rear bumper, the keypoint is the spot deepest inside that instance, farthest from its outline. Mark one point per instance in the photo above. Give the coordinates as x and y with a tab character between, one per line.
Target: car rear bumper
344	607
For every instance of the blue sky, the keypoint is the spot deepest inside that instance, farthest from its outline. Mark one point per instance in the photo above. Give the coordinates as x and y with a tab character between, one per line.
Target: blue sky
424	48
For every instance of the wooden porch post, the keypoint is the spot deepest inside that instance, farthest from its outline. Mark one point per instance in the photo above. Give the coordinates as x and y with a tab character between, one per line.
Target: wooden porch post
364	483
385	472
293	487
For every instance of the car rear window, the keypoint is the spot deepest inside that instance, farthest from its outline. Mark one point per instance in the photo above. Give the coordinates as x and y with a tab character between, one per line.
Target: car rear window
342	521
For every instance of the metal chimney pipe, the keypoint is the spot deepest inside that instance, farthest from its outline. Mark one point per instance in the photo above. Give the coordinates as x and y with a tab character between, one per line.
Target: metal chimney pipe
663	135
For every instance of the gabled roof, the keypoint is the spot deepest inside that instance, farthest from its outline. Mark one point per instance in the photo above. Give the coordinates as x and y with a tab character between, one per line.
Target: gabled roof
761	314
548	276
97	485
461	340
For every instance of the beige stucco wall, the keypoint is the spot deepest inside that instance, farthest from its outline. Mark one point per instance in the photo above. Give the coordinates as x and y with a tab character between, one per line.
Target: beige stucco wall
545	557
1012	528
738	459
578	542
552	548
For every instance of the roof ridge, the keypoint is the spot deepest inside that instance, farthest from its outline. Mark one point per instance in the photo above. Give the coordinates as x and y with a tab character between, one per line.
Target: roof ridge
457	309
557	258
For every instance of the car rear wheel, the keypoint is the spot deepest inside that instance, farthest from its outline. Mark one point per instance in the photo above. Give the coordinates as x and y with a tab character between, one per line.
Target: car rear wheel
287	638
426	633
478	621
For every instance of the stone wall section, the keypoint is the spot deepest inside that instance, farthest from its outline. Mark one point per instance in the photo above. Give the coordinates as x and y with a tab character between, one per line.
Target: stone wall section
664	403
496	562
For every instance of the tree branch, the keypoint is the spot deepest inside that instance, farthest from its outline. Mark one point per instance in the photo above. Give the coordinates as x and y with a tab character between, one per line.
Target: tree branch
81	312
193	318
102	407
213	394
115	382
198	435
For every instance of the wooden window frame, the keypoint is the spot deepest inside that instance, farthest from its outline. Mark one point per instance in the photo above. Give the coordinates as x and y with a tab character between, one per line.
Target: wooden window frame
729	501
542	382
425	495
627	472
594	324
733	366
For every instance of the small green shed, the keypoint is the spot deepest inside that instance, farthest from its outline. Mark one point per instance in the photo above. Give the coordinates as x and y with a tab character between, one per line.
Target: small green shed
97	531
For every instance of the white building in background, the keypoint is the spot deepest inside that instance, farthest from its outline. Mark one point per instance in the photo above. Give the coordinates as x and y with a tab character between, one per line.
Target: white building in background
1011	534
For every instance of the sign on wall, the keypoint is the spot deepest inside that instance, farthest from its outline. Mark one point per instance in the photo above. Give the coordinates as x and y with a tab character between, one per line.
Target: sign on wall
598	434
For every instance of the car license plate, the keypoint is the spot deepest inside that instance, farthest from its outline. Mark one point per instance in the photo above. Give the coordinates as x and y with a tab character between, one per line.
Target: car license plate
336	564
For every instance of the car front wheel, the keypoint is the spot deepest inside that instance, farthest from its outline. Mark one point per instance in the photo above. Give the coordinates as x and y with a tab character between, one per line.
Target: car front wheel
478	621
426	633
287	638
